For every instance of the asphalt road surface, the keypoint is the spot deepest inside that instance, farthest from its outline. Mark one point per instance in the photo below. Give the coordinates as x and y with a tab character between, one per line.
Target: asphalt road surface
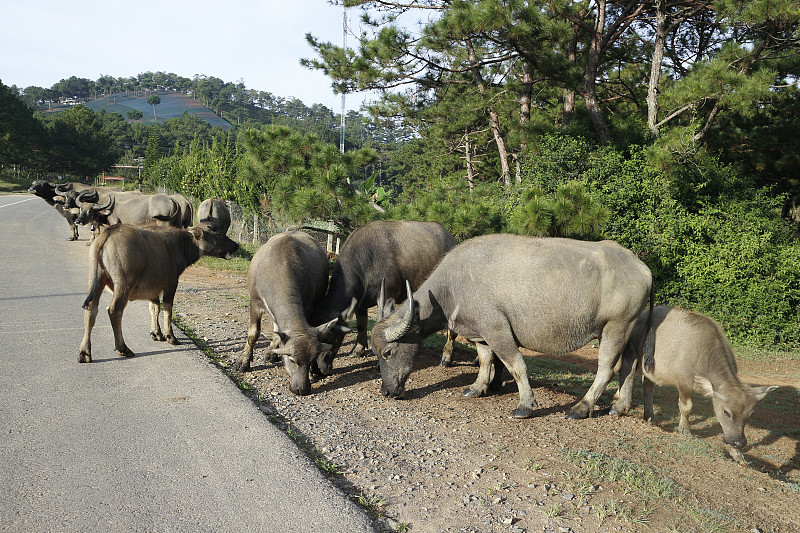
159	442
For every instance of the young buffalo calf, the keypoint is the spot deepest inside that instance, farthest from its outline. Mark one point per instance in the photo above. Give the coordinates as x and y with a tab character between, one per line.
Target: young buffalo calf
692	353
143	264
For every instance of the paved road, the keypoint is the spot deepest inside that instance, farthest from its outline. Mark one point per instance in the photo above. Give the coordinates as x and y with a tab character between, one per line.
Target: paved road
159	442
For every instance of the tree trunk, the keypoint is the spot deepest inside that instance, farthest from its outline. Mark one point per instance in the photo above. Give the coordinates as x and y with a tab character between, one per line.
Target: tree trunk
655	69
468	157
590	78
568	113
494	119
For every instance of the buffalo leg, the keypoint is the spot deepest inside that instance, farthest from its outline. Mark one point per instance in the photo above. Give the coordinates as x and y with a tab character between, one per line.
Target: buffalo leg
481	385
89	318
627	374
274	343
115	310
447	352
361	337
685	407
508	352
253	332
155	327
648	387
613	342
168	299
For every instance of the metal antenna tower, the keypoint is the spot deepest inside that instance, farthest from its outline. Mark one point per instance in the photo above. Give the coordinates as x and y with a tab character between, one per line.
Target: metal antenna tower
344	46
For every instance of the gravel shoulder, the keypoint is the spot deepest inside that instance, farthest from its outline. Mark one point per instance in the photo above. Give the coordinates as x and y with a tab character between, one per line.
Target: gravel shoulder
439	462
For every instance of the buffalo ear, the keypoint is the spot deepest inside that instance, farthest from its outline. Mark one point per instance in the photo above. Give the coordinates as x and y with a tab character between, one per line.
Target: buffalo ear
197	232
760	392
704	386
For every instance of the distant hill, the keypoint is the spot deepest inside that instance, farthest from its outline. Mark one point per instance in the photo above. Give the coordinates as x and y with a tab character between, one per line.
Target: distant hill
172	105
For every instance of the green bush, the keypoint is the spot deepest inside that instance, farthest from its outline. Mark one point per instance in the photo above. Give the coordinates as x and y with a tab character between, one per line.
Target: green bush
714	244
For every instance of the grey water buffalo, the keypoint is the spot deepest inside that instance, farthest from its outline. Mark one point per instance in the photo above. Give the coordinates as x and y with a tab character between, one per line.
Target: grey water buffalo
287	277
393	251
215	210
692	354
143	264
505	291
129	208
49	193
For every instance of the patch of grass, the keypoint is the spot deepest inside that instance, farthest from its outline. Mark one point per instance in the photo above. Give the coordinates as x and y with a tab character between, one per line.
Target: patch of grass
371	503
765	354
644	481
553	511
13	184
240	261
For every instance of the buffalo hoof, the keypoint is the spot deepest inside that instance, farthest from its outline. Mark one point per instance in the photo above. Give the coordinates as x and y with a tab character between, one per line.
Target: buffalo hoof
469	392
445	362
84	357
125	352
241	366
159	337
522	412
173	341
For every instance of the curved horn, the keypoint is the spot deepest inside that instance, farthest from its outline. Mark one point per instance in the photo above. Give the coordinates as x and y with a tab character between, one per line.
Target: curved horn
87	196
381	300
63	188
108	204
396	332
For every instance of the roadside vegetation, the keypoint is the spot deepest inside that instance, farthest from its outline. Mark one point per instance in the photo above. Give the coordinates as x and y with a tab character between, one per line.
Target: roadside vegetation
614	133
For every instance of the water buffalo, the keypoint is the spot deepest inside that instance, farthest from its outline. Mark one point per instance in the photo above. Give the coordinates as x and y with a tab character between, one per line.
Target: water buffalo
129	208
287	277
48	192
691	353
504	291
143	264
215	210
67	193
393	251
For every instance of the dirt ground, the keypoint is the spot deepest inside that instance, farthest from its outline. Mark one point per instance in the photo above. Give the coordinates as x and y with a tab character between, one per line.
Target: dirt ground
439	462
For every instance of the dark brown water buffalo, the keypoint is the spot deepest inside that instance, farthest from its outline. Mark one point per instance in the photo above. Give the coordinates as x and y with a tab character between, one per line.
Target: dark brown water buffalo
215	210
287	277
48	192
505	291
394	251
143	264
67	193
129	208
691	353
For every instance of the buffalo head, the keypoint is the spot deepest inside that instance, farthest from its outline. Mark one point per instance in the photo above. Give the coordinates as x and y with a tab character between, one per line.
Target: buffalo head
299	350
732	407
396	339
212	243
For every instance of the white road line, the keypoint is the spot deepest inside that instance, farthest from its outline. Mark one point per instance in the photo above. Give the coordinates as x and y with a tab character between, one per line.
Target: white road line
15	203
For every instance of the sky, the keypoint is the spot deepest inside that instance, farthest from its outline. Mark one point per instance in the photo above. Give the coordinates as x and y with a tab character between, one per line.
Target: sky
259	42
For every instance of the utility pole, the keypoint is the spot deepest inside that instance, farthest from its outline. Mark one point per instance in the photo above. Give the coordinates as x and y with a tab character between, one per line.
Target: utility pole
344	46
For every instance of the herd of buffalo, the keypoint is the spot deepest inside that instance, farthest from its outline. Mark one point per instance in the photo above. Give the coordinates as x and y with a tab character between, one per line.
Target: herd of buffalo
500	292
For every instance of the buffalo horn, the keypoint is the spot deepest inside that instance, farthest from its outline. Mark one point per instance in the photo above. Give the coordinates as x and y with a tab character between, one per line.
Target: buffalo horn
396	332
63	188
381	300
109	203
87	196
283	350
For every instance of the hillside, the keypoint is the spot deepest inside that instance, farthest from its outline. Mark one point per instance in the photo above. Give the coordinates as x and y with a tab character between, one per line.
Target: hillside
172	105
